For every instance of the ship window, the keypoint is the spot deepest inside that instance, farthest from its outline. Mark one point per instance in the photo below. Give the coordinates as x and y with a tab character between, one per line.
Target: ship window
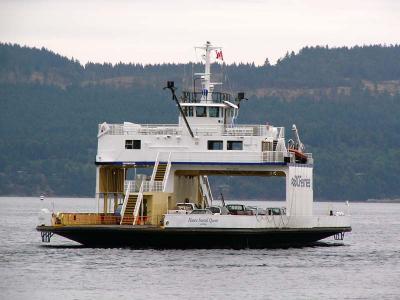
213	112
235	145
132	144
188	110
215	145
201	111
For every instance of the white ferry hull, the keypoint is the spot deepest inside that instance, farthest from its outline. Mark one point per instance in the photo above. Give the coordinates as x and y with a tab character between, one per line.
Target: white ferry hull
254	221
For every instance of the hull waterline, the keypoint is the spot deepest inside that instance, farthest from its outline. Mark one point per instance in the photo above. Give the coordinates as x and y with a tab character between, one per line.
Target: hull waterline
183	238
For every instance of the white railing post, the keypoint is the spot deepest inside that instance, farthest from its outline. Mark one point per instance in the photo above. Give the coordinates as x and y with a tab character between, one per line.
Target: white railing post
127	192
137	205
209	189
153	175
166	175
205	189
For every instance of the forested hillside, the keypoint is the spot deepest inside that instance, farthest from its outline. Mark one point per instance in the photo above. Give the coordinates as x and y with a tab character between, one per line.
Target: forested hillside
346	102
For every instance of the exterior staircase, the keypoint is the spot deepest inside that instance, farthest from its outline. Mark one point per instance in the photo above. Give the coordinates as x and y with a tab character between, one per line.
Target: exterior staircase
133	201
128	216
160	172
205	190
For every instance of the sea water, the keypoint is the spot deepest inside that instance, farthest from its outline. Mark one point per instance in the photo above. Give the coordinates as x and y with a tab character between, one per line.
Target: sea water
366	265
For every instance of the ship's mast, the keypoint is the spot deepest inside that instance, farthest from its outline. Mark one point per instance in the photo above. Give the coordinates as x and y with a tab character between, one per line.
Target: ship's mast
207	86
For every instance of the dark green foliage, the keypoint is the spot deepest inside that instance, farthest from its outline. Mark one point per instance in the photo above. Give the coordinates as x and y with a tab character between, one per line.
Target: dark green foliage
355	140
51	106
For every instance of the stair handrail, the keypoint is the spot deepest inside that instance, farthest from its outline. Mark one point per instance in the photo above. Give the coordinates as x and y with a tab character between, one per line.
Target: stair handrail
209	189
127	192
138	202
153	175
206	189
166	174
202	189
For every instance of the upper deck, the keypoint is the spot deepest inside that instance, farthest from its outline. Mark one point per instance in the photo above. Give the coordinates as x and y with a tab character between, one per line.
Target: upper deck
207	131
128	128
235	144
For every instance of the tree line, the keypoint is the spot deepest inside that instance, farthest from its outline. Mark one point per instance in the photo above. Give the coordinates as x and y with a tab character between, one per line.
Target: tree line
48	132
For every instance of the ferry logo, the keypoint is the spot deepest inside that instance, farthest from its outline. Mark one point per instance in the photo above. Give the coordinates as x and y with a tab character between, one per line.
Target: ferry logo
297	181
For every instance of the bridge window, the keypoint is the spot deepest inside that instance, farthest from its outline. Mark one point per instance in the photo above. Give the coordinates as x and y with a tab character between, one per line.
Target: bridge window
188	110
201	111
215	145
235	145
213	112
133	144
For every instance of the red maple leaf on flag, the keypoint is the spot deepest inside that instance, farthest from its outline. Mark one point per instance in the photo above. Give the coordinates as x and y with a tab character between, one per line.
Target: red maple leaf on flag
219	54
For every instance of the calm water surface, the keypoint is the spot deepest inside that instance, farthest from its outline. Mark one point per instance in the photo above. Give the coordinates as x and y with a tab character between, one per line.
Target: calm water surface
365	266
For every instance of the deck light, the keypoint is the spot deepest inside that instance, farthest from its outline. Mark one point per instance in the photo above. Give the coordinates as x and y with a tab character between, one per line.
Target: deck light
240	97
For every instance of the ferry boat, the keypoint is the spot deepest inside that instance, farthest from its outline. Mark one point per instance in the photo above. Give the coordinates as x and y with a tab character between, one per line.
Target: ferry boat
174	207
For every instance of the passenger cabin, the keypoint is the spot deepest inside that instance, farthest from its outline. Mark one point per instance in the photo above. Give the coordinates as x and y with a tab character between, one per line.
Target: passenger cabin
203	112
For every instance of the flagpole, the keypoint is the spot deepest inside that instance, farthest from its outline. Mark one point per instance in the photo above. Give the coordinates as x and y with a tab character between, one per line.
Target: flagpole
206	79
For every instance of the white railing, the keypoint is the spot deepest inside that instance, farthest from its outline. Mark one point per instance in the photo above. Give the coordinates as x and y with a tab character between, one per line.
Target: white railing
138	203
198	130
210	195
153	175
133	186
273	156
143	129
152	186
206	189
230	156
166	175
127	189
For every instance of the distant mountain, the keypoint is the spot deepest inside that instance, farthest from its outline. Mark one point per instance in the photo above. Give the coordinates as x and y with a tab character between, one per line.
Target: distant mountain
344	100
312	67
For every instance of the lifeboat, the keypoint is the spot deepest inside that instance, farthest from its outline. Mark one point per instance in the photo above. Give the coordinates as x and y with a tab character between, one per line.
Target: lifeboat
299	156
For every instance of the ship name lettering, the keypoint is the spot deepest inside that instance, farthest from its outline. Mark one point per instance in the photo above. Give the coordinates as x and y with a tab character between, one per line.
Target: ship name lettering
202	220
298	181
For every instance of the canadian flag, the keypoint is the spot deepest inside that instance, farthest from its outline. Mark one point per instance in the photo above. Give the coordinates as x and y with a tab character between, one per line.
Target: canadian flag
219	54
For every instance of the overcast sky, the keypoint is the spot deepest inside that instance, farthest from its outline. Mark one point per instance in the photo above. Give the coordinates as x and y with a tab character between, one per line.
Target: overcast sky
156	31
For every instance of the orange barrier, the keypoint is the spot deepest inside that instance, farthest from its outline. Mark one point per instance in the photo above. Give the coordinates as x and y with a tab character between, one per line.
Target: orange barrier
85	219
72	219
